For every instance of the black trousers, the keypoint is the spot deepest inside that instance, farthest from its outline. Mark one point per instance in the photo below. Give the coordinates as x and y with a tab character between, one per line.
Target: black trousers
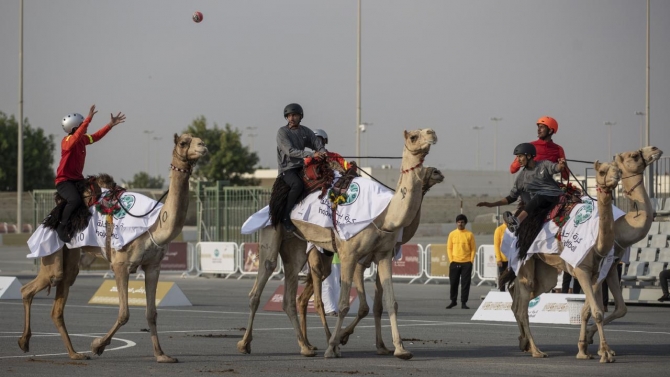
576	288
605	288
68	191
541	201
292	179
663	278
502	269
460	272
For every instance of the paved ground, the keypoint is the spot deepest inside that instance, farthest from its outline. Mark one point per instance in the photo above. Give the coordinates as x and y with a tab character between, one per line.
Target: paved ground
203	337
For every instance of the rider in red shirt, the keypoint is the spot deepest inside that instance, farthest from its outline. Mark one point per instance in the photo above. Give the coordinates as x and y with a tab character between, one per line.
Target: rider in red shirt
73	156
545	147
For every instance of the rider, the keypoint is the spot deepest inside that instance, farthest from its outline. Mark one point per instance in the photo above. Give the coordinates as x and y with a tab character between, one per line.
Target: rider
534	185
545	147
323	136
291	142
73	156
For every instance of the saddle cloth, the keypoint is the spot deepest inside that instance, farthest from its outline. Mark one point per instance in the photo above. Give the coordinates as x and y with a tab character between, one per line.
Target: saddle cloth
579	234
44	241
366	199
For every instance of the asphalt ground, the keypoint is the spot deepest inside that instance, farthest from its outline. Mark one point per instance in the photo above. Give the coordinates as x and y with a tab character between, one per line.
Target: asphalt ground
203	337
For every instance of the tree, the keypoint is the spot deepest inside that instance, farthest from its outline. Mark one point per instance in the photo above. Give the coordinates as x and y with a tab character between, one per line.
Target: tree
144	180
38	156
227	159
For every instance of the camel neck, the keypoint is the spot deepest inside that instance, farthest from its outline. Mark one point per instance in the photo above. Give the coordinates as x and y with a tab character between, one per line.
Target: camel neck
636	223
405	202
173	214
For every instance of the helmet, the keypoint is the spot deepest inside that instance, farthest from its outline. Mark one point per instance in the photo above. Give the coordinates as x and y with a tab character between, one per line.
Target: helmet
323	134
293	108
72	121
525	148
550	122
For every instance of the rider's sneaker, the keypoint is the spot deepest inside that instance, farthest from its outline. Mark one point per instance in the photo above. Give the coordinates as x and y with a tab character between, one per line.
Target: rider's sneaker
511	221
288	226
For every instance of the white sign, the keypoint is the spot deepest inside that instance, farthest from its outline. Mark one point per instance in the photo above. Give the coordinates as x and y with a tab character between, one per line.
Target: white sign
10	288
217	257
546	308
490	264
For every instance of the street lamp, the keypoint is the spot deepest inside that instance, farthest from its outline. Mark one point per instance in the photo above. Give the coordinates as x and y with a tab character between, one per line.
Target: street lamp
495	142
477	128
609	137
251	135
148	148
358	89
641	113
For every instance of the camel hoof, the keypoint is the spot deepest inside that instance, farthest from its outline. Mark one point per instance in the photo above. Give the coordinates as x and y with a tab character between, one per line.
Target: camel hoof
539	354
166	359
79	356
24	344
313	348
97	347
344	339
524	344
244	347
307	352
584	356
329	354
403	354
607	357
383	351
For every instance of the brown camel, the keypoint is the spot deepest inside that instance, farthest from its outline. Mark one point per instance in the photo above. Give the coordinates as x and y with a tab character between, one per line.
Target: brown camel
374	243
632	227
146	251
538	274
320	269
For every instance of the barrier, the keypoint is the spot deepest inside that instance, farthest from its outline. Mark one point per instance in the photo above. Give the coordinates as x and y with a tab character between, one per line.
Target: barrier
410	263
486	267
178	259
436	262
10	288
546	308
249	260
216	258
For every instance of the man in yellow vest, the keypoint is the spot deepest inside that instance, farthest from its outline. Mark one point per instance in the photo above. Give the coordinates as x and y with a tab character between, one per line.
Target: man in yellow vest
501	259
461	250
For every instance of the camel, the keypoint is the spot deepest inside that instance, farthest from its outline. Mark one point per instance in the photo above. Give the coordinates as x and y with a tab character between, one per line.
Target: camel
632	227
538	274
146	251
320	269
373	243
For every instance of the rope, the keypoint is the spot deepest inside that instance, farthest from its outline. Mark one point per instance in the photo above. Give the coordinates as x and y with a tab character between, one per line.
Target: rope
581	161
374	179
151	210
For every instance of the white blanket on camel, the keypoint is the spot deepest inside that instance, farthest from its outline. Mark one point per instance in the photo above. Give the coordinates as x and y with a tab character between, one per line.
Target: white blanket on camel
579	234
366	199
45	241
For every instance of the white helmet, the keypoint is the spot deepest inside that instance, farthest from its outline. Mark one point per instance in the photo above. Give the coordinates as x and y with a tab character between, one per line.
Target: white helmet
323	134
72	121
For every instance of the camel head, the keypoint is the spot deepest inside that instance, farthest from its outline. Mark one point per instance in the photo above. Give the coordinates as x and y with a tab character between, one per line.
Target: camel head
188	148
635	162
418	142
430	177
607	176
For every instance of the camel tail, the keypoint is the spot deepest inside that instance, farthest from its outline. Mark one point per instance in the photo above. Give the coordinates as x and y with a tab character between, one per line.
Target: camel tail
506	277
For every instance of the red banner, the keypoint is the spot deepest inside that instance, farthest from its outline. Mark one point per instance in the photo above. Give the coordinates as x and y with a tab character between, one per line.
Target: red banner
176	257
409	262
275	302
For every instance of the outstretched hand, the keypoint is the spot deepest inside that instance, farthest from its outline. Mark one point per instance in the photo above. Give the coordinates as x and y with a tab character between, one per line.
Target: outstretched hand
118	119
92	112
485	204
320	155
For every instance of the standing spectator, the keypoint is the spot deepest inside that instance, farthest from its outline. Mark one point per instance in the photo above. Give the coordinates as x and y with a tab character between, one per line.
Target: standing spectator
501	259
663	278
461	251
565	288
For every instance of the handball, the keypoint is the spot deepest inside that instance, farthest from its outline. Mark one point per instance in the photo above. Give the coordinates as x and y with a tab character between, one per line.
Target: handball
197	17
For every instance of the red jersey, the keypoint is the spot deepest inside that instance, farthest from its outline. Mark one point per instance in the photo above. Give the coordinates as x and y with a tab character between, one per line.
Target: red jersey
545	150
73	152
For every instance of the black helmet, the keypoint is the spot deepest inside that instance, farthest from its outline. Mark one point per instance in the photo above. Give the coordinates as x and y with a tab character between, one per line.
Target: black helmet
293	108
525	148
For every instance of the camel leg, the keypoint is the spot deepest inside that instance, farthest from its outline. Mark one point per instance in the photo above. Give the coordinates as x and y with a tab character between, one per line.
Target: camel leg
121	274
51	269
522	295
294	260
620	309
302	303
523	340
377	310
595	307
151	274
348	265
268	254
363	307
384	271
320	268
71	268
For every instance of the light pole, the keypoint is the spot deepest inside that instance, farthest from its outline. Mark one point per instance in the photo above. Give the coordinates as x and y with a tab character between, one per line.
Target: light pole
477	128
641	113
361	129
251	135
495	142
148	148
358	89
19	152
609	137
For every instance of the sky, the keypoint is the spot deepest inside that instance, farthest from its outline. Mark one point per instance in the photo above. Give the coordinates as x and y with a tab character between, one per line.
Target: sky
446	65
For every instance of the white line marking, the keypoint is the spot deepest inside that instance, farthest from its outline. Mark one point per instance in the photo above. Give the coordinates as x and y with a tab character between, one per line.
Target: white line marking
128	344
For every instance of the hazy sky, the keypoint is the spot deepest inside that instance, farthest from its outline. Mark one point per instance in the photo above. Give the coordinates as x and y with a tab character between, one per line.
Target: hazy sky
447	65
